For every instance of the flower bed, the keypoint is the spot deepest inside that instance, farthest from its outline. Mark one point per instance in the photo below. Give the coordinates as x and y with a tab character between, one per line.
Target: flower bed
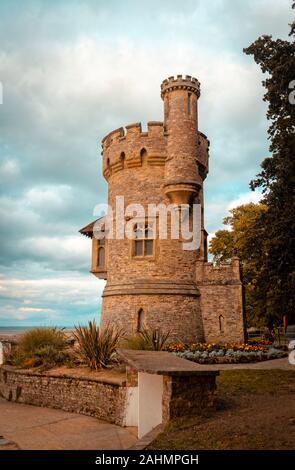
228	353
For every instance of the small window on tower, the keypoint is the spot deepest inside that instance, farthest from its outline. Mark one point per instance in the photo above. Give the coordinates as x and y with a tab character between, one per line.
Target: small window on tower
140	320
221	324
101	256
189	103
101	248
143	155
122	158
143	239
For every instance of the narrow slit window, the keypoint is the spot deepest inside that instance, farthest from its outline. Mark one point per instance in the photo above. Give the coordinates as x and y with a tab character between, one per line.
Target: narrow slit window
101	257
221	324
143	155
122	158
189	103
140	320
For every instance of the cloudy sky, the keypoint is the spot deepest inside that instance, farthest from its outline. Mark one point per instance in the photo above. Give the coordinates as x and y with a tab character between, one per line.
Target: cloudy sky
74	70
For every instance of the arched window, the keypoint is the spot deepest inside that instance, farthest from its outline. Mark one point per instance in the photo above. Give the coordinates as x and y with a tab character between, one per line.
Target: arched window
122	158
140	320
166	107
143	155
101	249
143	239
221	324
101	257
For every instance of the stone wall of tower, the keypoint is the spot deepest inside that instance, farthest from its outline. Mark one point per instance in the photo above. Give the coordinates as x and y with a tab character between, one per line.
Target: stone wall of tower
221	301
179	314
176	288
162	285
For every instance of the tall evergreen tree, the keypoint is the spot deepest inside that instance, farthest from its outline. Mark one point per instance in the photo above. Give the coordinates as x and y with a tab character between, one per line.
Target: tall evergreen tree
276	277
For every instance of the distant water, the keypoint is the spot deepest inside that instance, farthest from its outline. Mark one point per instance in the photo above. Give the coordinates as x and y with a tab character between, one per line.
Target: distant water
14	330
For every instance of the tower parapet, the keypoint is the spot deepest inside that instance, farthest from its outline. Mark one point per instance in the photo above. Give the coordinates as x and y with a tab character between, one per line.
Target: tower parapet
122	148
185	82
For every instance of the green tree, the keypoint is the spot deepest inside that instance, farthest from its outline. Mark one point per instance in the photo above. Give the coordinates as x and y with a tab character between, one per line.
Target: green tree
245	239
276	275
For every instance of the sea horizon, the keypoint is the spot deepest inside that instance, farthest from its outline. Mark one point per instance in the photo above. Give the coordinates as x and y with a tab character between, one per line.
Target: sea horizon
11	330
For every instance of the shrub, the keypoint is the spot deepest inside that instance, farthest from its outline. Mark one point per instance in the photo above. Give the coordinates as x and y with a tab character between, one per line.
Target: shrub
136	342
151	339
96	346
41	347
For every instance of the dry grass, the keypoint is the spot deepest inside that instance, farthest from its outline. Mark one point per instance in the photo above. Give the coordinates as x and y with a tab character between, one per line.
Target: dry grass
256	410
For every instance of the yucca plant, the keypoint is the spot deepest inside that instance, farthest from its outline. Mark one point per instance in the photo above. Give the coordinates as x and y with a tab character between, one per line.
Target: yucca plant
154	338
97	346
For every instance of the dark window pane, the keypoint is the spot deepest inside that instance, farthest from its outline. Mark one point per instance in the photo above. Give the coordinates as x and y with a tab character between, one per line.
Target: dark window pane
101	257
149	247
140	320
138	248
101	241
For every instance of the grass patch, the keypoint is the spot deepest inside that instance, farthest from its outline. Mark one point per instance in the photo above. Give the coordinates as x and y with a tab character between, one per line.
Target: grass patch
253	381
259	413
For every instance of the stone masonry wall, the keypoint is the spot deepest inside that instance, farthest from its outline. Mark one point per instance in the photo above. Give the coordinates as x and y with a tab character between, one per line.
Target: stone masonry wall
179	314
79	395
221	301
187	395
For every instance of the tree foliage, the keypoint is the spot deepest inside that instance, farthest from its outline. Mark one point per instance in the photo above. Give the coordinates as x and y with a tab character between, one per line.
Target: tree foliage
267	247
276	276
245	240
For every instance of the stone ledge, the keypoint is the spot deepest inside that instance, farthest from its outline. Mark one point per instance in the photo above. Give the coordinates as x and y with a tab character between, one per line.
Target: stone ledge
120	381
163	363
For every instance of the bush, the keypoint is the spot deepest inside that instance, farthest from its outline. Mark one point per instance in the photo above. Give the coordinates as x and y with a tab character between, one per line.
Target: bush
41	347
150	339
97	347
137	342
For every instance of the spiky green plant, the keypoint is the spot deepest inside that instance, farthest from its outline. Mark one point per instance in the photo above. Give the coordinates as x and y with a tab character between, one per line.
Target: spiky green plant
151	339
155	338
136	342
97	346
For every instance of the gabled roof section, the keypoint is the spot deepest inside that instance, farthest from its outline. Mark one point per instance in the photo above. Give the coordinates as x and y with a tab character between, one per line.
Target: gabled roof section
88	229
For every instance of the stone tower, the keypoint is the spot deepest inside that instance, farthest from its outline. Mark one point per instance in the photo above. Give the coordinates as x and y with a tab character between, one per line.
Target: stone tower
151	280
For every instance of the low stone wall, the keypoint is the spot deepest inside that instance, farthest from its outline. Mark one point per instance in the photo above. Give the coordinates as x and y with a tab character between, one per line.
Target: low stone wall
188	395
103	399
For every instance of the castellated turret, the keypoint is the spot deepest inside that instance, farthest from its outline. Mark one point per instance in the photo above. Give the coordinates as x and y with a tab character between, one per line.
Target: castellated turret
182	179
152	281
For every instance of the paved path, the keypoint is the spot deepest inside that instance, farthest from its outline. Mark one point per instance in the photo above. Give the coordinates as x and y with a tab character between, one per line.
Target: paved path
36	428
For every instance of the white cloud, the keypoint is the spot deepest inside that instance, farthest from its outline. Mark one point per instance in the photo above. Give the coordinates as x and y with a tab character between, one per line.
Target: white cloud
9	168
65	300
246	198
